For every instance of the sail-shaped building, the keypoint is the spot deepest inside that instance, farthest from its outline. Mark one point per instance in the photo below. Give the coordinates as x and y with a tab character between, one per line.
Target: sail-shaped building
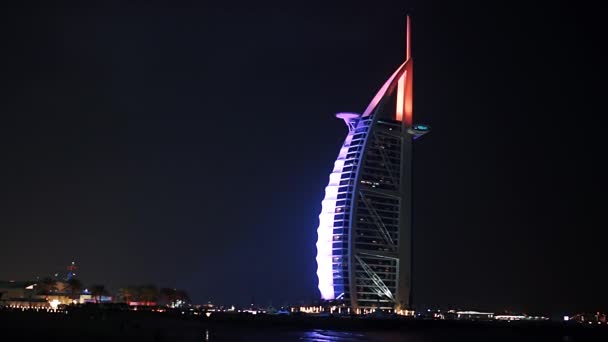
364	247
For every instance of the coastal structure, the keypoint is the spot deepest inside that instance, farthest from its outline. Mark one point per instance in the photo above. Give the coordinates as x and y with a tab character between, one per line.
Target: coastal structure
364	247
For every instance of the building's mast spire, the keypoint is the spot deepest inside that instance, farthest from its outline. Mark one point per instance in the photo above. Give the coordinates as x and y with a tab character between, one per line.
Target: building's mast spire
405	91
408	38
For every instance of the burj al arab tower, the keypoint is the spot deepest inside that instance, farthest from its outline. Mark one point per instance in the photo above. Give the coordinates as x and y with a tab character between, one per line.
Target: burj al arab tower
364	247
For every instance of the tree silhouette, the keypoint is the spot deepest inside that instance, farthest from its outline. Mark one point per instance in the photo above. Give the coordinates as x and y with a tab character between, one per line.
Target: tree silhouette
168	295
148	294
97	291
183	296
174	297
47	285
75	286
129	294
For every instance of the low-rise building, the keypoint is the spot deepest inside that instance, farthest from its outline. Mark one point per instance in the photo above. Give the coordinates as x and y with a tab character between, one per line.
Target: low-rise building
21	294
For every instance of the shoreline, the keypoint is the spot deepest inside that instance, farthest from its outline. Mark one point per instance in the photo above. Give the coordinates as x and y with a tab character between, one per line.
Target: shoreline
103	325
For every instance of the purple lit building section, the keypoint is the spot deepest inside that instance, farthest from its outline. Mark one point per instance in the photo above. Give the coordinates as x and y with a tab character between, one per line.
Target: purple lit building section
329	211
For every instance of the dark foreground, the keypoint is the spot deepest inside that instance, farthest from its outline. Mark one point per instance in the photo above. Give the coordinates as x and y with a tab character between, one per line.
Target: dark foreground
150	326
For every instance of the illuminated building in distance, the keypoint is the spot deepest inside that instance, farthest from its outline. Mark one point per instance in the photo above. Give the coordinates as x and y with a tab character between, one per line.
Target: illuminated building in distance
364	247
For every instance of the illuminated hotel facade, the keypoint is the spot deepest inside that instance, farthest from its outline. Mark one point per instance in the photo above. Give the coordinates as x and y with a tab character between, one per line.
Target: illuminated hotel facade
364	247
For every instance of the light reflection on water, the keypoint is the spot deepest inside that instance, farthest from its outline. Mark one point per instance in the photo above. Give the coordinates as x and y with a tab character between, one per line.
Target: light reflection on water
317	335
305	336
332	336
344	336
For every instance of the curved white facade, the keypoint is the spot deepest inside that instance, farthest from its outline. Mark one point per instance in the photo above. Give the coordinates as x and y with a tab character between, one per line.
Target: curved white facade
325	230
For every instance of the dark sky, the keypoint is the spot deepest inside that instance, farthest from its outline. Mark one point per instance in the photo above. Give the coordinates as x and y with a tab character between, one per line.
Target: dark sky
188	144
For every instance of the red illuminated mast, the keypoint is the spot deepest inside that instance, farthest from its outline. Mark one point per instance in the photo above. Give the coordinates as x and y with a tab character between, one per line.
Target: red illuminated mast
405	85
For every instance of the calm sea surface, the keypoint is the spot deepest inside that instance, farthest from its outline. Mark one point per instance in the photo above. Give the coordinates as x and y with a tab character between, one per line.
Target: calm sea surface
341	336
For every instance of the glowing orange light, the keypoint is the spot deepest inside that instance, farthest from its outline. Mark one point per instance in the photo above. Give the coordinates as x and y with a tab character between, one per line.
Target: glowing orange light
400	97
405	91
409	94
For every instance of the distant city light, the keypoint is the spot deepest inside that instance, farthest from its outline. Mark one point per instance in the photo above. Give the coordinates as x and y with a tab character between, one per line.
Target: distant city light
54	304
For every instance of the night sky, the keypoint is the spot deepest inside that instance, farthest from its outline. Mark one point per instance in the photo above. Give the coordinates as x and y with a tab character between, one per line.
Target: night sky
188	144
